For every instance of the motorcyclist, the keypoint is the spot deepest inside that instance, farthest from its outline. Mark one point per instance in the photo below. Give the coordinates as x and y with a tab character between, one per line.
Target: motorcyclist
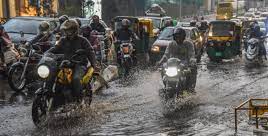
86	31
183	50
62	19
248	33
96	25
203	26
4	42
256	33
193	23
124	34
168	23
68	45
44	38
202	18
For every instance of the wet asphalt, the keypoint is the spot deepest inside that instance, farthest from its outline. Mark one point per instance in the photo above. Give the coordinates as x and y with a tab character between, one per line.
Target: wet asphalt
135	106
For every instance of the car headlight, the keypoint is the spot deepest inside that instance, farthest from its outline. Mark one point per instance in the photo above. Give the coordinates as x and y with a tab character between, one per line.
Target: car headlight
43	71
155	49
172	71
228	44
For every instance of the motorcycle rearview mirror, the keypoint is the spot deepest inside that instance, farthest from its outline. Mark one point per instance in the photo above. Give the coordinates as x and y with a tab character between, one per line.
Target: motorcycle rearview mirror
21	34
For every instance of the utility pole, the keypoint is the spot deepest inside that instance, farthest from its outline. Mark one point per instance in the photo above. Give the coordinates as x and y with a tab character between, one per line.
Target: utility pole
237	8
180	8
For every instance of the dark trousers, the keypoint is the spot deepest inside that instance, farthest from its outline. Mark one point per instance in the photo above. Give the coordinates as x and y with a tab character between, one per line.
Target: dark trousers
191	79
79	71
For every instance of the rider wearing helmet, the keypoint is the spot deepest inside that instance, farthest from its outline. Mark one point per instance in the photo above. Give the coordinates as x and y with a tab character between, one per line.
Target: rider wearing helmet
183	50
96	25
168	23
256	33
124	34
203	26
62	19
68	45
44	38
193	23
86	31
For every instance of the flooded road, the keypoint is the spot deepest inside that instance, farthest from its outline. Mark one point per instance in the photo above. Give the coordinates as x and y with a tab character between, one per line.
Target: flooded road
135	107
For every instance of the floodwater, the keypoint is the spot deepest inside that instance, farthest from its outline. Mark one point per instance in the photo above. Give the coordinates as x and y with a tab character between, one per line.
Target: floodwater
135	106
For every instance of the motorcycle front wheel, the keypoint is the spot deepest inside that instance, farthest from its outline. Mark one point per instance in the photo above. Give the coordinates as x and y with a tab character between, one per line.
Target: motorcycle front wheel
39	111
14	78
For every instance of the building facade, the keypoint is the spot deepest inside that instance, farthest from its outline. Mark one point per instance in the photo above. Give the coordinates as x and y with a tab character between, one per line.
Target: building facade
12	8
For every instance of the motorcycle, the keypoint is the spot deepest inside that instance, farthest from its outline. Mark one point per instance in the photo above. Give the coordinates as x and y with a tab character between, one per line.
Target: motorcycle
253	50
174	76
56	91
126	56
20	73
101	49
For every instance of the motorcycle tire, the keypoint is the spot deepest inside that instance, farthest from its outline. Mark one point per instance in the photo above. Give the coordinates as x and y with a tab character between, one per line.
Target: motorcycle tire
126	66
12	83
38	104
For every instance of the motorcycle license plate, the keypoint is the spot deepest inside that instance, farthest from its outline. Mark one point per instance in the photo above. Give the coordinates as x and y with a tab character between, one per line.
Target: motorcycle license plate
218	54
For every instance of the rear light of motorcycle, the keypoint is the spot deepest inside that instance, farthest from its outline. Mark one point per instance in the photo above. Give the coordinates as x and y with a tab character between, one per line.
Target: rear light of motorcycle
125	50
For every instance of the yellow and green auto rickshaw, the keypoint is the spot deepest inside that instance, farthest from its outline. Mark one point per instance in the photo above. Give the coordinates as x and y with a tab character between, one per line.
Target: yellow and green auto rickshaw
223	40
142	27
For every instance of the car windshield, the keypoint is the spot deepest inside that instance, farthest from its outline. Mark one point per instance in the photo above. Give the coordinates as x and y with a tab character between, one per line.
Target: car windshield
166	34
222	29
26	26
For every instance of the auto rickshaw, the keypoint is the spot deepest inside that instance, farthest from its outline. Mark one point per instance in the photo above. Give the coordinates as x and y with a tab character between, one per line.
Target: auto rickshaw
223	40
142	27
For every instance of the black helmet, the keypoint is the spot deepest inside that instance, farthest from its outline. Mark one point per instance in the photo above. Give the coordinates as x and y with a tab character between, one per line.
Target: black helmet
70	28
125	22
78	22
63	18
179	32
257	28
86	30
44	27
193	23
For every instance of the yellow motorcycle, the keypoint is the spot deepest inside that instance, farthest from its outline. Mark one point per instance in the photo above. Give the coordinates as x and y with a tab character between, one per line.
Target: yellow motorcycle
56	91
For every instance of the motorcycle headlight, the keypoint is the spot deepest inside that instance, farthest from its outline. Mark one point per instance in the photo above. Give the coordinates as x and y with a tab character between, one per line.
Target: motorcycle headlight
172	71
228	44
155	49
43	71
